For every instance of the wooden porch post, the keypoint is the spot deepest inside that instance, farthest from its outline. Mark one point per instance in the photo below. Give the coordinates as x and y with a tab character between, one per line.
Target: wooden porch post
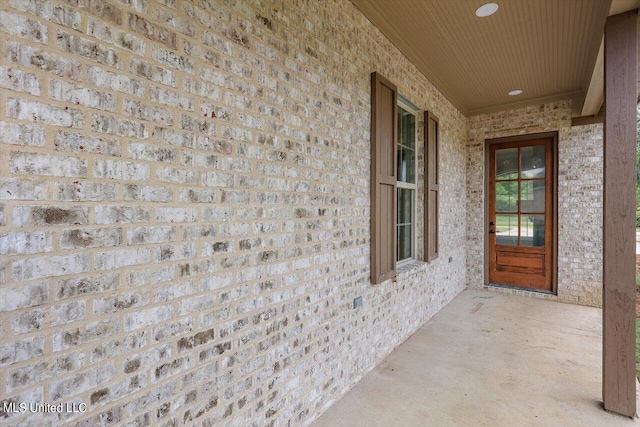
620	69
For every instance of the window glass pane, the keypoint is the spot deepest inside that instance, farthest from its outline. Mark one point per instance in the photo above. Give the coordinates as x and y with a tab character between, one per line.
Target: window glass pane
533	162
507	196
405	206
532	196
406	128
532	230
406	165
404	242
405	223
406	146
507	230
507	163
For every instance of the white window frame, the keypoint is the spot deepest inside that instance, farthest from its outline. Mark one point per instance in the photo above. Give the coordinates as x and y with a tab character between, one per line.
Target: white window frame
410	186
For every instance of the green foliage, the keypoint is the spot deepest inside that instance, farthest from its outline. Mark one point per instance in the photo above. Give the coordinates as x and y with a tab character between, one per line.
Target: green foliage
638	342
637	205
506	196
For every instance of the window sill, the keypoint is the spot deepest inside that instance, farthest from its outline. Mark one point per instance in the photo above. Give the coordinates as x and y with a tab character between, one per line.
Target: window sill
409	267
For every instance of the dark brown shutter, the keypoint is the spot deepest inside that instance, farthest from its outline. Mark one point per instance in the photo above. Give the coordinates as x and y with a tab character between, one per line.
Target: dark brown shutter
432	139
384	129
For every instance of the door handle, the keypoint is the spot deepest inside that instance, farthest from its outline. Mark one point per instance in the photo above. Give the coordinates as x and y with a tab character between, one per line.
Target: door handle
492	231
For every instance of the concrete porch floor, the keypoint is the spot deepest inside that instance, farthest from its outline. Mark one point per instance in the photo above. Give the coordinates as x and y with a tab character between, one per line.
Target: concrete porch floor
488	359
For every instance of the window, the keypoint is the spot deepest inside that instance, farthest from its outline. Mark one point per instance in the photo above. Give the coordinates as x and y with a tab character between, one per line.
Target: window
394	180
406	176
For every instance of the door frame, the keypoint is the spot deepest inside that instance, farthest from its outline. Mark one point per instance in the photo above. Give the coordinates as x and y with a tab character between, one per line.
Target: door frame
554	233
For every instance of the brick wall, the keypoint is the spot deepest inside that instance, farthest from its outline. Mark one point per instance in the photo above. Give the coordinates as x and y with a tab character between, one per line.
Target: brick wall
580	204
580	182
184	210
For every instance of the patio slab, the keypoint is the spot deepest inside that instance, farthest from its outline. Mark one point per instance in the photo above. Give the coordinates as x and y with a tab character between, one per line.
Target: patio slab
488	359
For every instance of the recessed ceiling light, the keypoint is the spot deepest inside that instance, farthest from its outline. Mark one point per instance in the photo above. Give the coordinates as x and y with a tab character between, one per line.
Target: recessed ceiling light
515	92
486	10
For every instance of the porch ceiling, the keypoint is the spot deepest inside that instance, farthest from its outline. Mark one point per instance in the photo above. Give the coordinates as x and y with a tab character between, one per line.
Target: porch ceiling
548	49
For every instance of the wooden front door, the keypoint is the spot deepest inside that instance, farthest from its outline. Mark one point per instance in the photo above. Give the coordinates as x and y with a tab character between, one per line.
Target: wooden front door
521	203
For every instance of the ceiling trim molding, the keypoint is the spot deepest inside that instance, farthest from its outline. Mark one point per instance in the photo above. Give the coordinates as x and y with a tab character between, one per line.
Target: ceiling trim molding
575	97
595	89
621	6
587	120
595	92
593	85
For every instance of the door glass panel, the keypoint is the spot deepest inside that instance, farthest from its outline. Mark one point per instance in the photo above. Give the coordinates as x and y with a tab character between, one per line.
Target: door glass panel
532	196
507	196
533	163
507	163
532	230
507	230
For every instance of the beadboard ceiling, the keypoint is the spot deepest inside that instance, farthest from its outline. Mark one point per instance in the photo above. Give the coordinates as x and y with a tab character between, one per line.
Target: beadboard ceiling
546	48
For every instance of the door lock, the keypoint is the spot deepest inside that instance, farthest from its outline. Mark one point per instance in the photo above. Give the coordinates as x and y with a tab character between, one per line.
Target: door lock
492	223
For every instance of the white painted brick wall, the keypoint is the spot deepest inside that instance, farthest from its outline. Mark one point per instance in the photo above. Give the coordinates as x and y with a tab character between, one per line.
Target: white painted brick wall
184	210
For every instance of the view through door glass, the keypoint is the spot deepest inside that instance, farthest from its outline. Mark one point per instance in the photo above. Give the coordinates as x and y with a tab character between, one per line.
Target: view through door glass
520	196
